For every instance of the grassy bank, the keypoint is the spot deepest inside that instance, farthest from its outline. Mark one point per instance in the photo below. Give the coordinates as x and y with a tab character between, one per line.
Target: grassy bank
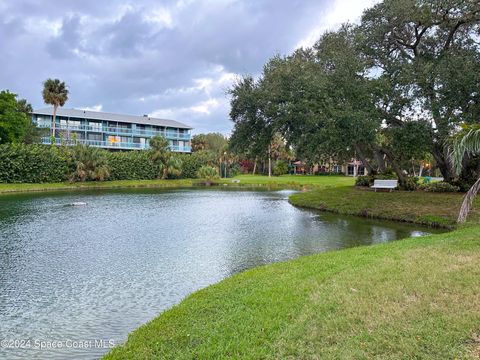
434	209
287	181
417	298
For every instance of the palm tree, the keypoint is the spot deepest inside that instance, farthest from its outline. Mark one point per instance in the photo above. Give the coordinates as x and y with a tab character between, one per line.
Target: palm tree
467	143
161	156
208	173
89	163
54	93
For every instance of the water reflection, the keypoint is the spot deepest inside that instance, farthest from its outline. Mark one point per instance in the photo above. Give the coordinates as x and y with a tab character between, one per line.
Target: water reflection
101	270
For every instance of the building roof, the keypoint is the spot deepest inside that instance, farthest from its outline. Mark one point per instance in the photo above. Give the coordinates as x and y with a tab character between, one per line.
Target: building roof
96	115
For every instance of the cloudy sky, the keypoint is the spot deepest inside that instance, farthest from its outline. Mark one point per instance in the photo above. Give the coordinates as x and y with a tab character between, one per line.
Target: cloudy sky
172	59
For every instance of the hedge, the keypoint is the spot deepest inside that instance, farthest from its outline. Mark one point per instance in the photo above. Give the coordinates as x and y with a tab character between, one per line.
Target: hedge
22	163
131	165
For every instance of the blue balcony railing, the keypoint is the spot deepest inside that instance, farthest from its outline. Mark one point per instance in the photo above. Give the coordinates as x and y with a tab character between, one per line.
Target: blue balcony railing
111	145
113	130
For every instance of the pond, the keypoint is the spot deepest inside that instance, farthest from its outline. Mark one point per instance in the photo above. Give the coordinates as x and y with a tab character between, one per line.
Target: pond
74	276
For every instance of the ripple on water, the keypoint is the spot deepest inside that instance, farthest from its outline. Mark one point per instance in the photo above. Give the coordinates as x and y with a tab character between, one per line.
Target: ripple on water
101	270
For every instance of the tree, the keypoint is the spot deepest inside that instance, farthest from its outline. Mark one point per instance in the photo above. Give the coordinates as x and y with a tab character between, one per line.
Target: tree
162	156
55	93
214	143
253	130
89	164
426	56
13	121
33	133
208	173
280	168
467	142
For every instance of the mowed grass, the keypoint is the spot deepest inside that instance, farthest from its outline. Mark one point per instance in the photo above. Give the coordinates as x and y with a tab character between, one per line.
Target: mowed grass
412	299
287	181
307	181
435	209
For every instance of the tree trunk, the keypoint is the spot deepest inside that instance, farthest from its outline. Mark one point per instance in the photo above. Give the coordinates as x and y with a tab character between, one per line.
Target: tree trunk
364	160
421	170
380	160
402	180
468	201
269	162
440	153
54	118
254	166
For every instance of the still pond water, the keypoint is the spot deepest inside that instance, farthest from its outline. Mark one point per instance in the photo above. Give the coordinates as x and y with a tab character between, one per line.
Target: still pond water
97	272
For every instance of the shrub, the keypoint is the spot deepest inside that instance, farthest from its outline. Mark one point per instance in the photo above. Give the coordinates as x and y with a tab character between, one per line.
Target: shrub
208	173
89	164
131	165
439	186
411	184
22	163
235	169
364	180
280	168
191	163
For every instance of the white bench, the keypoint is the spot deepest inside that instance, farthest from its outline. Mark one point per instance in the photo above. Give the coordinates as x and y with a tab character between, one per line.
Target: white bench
385	184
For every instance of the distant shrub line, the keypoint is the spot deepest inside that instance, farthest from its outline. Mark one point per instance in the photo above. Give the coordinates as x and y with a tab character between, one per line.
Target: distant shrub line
22	163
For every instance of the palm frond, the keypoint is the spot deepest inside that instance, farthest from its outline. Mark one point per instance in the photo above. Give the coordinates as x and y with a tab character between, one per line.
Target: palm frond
466	142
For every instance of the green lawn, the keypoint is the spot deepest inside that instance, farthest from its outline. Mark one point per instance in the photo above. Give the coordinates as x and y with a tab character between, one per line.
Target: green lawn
308	181
286	181
9	188
416	298
438	209
412	299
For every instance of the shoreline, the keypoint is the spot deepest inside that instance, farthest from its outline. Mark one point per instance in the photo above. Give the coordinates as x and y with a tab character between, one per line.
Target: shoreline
371	293
262	310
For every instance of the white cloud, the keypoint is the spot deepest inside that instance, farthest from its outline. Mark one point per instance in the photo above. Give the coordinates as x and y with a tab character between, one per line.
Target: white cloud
42	27
160	16
206	107
341	12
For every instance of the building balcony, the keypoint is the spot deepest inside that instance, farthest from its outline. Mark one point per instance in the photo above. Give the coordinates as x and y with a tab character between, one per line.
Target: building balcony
119	131
111	145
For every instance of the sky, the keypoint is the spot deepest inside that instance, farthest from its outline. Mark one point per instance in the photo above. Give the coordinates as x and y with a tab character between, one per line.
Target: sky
172	59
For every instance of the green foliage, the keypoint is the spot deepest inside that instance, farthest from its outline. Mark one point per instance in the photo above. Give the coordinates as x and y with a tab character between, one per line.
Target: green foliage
207	173
280	168
191	163
21	163
235	170
364	180
173	167
439	186
410	183
215	142
163	158
14	123
89	164
55	92
40	163
131	165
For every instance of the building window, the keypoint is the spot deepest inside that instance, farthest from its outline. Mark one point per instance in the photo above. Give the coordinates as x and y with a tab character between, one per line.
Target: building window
43	121
96	137
95	126
113	139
